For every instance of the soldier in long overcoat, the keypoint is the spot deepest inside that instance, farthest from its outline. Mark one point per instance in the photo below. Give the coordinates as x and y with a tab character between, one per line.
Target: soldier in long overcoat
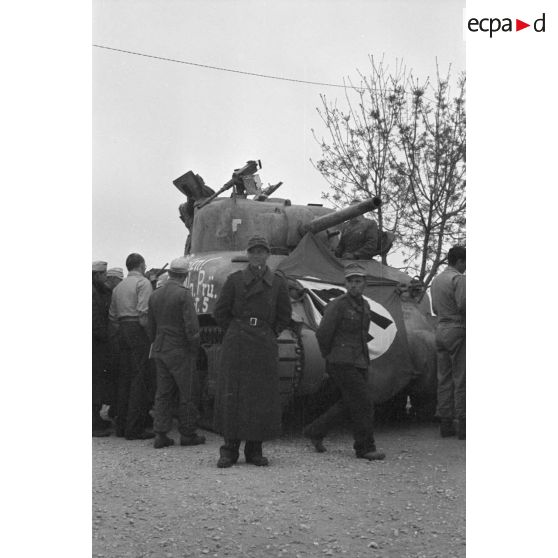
253	308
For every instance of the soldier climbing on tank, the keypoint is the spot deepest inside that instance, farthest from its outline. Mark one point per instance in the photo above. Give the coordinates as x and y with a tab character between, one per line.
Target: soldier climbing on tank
361	240
195	189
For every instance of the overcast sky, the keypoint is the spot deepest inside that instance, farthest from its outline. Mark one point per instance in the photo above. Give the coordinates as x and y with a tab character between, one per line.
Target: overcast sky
153	120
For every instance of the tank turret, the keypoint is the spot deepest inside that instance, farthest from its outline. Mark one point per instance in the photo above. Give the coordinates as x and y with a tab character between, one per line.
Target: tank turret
302	239
228	223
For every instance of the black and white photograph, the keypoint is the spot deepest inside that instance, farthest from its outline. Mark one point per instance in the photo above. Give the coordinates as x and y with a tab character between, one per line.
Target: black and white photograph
279	252
276	200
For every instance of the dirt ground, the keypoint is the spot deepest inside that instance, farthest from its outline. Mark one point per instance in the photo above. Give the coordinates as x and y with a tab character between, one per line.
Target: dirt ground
174	502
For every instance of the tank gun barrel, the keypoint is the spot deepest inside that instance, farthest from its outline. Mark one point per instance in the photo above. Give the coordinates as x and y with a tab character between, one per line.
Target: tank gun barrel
331	219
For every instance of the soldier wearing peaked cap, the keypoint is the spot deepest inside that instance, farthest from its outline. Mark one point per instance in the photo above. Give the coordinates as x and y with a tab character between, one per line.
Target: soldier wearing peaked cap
343	336
115	272
101	302
253	308
162	279
114	276
174	332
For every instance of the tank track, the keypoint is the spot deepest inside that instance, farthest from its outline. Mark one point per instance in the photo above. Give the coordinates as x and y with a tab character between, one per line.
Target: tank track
291	364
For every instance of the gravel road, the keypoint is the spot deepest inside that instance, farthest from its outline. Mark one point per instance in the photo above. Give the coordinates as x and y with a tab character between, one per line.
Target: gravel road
174	502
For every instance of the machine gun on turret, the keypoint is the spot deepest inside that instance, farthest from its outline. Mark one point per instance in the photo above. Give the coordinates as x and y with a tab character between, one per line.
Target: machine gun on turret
249	169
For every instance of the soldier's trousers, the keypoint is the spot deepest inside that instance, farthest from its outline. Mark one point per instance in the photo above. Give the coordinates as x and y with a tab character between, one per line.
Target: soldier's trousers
176	374
450	347
113	366
99	352
136	382
355	404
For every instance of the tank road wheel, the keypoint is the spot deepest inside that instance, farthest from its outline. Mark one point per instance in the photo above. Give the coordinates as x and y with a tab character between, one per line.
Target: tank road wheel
290	366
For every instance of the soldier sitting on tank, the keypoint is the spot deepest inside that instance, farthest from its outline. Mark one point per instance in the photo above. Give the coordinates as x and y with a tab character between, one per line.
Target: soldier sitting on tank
359	238
186	210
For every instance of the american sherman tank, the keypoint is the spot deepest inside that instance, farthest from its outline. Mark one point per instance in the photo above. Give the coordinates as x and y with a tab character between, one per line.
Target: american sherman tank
302	240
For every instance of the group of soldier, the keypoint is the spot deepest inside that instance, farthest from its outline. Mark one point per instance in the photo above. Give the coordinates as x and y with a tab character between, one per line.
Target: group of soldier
148	341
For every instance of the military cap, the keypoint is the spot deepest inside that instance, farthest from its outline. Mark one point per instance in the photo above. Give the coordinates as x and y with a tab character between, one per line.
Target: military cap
162	279
354	268
99	266
115	272
258	240
179	265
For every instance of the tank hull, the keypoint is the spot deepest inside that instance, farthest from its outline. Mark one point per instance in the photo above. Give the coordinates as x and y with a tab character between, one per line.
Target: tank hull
302	367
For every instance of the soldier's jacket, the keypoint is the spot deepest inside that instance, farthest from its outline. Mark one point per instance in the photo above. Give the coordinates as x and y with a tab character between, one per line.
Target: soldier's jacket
343	332
251	311
101	304
448	296
172	322
359	237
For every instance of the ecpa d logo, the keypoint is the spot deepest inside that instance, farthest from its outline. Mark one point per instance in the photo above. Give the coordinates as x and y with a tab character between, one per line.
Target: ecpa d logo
492	25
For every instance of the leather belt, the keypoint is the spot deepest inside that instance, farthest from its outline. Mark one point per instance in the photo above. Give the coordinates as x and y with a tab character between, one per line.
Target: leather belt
129	319
253	322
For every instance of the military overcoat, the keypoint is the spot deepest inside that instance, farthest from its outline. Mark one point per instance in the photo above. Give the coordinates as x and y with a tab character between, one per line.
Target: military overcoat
252	311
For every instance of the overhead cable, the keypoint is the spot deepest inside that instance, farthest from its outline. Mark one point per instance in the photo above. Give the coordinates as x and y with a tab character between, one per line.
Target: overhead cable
243	72
229	70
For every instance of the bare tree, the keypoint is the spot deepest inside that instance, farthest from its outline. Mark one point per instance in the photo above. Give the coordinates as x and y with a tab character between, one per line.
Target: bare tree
394	142
357	158
431	176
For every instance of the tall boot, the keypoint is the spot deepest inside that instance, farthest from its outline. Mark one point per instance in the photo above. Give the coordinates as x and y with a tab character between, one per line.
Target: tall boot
99	425
253	453
461	428
447	428
162	440
228	453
